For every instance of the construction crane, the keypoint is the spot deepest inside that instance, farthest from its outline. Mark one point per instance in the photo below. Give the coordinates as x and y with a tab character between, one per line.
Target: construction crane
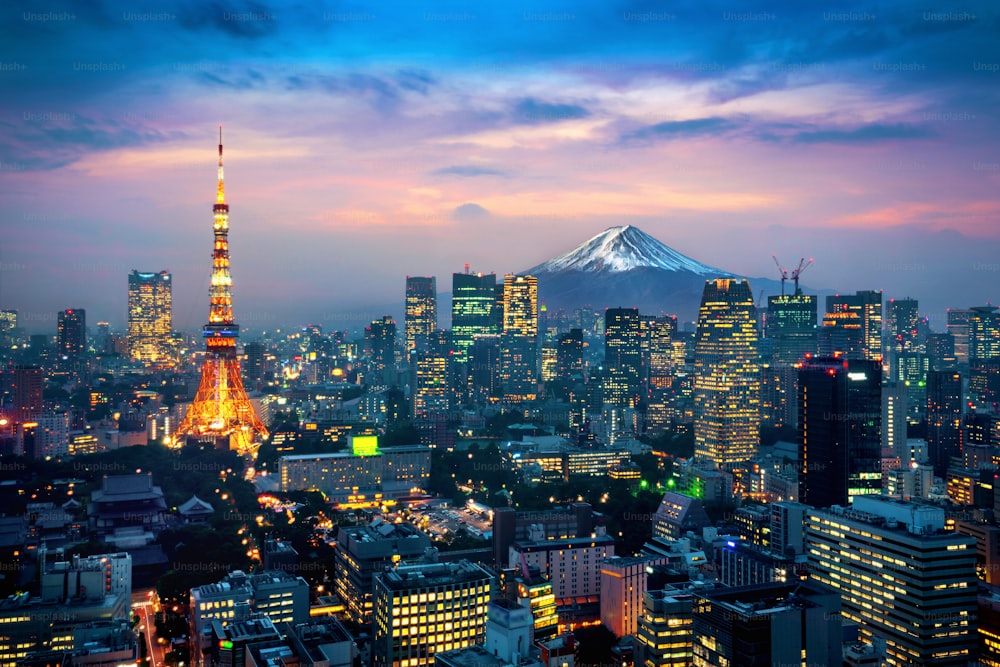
796	272
783	271
803	265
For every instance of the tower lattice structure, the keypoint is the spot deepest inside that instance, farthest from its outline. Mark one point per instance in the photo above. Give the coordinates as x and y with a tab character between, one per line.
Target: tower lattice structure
221	408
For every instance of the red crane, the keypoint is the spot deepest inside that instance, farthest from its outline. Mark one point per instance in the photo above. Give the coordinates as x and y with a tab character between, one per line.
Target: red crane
796	272
783	271
803	265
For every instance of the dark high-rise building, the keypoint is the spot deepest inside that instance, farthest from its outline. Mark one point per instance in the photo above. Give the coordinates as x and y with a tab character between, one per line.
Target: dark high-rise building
944	418
380	339
958	327
484	368
840	414
569	354
421	312
623	337
727	375
909	369
841	335
8	322
519	340
255	366
26	384
941	351
72	338
473	299
984	333
777	395
984	383
150	316
867	305
791	327
660	355
902	325
767	624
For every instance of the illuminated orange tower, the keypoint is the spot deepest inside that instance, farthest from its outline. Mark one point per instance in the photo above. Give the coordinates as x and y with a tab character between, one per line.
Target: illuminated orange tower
221	409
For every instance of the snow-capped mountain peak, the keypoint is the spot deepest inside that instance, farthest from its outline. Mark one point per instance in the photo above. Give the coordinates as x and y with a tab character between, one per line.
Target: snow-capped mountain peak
624	248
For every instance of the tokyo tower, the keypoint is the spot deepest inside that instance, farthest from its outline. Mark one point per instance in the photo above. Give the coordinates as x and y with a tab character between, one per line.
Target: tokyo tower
221	410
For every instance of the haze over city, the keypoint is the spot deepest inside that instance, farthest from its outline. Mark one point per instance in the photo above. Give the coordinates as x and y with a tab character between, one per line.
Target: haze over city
368	141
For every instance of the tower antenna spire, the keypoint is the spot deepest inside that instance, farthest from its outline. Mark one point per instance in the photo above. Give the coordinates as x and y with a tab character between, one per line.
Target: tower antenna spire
220	197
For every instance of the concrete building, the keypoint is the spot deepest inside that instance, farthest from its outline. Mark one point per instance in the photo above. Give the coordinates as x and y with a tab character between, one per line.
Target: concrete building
573	564
623	583
901	577
361	551
347	479
664	636
105	574
274	595
422	609
509	525
771	624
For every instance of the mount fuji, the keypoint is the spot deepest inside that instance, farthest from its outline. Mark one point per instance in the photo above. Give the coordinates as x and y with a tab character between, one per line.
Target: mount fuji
626	267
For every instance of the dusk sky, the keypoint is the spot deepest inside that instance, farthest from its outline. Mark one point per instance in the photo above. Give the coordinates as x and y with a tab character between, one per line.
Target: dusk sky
365	141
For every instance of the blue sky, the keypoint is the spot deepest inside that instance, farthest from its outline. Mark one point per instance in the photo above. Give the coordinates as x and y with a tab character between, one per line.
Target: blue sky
370	140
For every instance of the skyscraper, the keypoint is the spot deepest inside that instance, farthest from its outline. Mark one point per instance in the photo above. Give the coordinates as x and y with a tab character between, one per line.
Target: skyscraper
901	576
26	383
840	415
221	410
430	369
623	338
958	327
420	320
72	337
727	374
380	339
8	322
473	298
867	304
256	362
150	316
901	327
660	333
569	355
841	335
484	368
941	351
791	327
519	340
944	418
984	333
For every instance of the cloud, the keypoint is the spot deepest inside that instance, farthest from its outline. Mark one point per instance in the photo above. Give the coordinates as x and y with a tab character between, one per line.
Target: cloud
470	212
676	129
46	141
867	134
467	170
530	111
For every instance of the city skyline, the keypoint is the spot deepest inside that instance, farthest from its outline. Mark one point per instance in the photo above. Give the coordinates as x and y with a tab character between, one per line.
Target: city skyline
367	143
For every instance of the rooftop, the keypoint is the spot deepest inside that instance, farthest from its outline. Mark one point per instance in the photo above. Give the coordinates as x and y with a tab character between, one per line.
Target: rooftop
432	574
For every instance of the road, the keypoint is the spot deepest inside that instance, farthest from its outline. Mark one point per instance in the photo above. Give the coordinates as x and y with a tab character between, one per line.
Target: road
143	605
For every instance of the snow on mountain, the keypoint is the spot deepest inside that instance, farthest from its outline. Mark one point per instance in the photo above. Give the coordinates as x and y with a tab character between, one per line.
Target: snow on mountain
623	248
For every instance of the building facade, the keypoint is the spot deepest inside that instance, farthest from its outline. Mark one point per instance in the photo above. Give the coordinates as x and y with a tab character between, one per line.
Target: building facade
150	316
901	577
727	375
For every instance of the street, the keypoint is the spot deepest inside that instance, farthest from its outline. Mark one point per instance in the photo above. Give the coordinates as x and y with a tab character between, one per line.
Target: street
142	603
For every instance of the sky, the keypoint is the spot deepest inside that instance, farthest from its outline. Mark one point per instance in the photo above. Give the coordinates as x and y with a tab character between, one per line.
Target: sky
368	141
